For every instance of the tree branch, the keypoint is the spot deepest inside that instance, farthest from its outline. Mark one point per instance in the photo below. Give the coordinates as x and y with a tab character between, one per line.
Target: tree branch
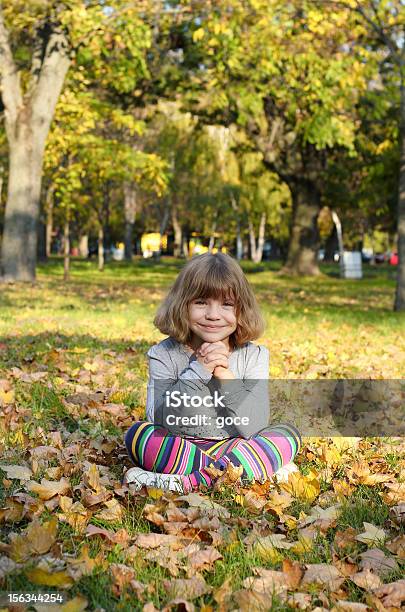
9	76
53	70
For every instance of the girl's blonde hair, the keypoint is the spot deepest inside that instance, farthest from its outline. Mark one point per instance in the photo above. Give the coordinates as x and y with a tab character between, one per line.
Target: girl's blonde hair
216	276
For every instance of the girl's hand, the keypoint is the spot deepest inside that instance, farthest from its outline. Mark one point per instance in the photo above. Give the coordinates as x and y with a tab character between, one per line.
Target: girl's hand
212	355
223	373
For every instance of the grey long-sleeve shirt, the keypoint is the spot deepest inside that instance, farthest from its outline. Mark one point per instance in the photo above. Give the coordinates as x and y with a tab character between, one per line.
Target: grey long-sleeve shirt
172	367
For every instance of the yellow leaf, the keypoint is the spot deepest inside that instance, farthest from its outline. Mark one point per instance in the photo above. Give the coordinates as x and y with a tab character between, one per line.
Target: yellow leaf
154	493
303	545
77	604
58	579
37	539
6	397
198	34
302	487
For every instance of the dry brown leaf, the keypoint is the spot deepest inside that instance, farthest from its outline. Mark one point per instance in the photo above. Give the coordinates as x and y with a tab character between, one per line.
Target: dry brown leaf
92	478
278	502
350	606
122	576
395	493
268	582
371	534
118	537
397	546
293	573
366	579
397	513
37	539
324	575
113	511
17	472
49	488
204	559
187	588
89	498
75	514
376	560
153	540
223	594
345	538
248	600
181	604
392	594
360	473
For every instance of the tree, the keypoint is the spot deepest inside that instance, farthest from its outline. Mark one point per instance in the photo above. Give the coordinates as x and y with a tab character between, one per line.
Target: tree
46	37
385	23
289	75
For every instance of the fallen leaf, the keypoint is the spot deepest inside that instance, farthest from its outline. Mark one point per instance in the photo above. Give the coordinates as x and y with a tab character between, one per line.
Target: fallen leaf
187	588
324	575
375	559
37	539
56	579
366	579
269	582
49	488
397	546
113	512
371	534
17	472
306	488
392	594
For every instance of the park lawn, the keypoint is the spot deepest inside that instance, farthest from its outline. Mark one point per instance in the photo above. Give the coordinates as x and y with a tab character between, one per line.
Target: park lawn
73	378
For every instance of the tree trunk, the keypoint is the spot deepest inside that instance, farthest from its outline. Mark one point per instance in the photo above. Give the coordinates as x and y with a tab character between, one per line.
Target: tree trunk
184	246
27	121
130	206
106	216
260	241
178	233
41	240
66	253
49	219
252	240
400	289
19	246
100	248
257	250
239	242
165	218
304	238
84	245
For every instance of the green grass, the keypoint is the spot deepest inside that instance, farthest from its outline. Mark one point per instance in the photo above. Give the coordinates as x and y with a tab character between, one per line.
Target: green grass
103	320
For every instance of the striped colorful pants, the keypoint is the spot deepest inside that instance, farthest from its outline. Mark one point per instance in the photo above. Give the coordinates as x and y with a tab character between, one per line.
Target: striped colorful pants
155	449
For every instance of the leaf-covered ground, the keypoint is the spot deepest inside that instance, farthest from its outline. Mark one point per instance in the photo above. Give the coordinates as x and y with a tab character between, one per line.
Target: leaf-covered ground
72	380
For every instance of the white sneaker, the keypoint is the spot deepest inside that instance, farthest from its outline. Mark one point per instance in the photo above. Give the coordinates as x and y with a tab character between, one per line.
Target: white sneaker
283	473
140	477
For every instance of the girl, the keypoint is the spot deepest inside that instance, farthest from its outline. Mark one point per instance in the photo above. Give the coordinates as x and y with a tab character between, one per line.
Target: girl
210	316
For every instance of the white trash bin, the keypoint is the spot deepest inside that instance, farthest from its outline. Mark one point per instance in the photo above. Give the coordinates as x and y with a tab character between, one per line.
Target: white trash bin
351	265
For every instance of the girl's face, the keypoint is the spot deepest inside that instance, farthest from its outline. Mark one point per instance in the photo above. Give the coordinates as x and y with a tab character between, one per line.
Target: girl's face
211	319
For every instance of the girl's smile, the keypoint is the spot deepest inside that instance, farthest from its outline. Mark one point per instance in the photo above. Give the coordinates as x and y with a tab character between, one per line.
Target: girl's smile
211	320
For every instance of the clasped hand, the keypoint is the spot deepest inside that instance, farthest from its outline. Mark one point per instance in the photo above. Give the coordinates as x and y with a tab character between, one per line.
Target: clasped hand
214	357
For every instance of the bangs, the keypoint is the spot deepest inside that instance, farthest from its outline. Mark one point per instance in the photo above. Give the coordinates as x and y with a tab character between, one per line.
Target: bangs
213	283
